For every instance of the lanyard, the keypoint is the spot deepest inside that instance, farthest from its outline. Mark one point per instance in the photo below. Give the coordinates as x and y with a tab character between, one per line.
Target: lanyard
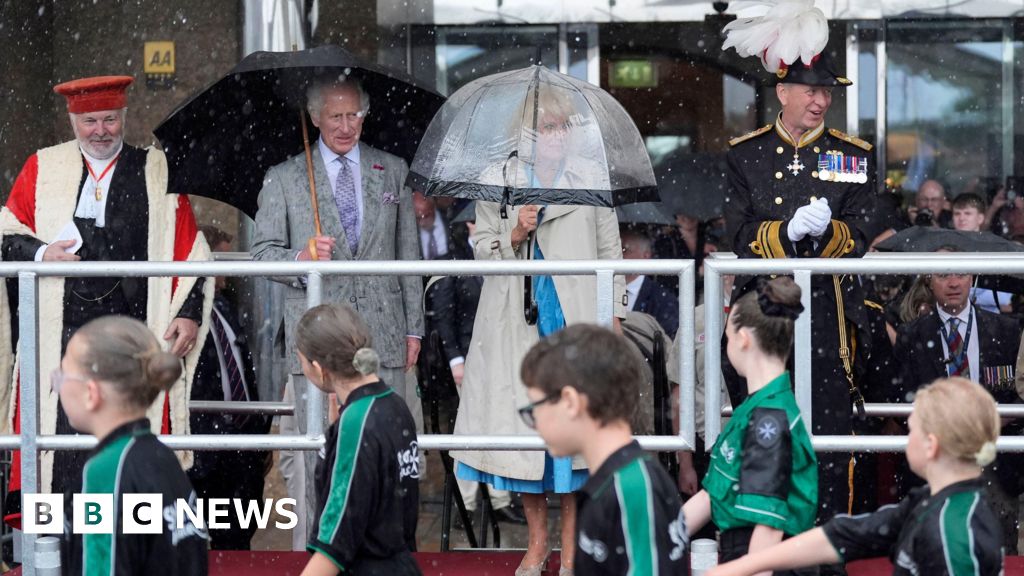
967	339
99	190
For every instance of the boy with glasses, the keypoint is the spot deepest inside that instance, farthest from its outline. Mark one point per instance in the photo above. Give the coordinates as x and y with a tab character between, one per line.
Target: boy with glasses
583	383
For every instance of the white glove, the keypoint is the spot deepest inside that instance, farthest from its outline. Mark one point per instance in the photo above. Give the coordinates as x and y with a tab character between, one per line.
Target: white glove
821	216
811	219
799	224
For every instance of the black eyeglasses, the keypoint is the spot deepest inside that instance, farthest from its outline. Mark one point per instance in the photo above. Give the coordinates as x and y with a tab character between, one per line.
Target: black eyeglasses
526	412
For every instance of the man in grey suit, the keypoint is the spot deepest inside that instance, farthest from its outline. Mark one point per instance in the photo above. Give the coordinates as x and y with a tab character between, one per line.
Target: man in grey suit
366	213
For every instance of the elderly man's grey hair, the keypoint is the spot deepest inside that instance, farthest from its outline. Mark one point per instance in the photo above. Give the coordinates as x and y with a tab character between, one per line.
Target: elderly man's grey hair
315	93
122	111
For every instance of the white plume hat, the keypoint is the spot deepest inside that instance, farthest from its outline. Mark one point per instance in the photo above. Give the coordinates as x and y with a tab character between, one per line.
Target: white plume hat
788	31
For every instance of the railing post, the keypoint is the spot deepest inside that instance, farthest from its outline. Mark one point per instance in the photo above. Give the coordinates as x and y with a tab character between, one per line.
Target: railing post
802	350
605	297
687	368
28	343
47	556
712	352
315	398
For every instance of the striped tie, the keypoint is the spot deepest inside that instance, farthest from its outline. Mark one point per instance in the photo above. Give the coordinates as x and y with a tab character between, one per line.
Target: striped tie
235	381
958	365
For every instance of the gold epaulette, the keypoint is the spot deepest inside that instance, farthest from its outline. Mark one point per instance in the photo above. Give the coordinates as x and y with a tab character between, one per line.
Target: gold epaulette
750	135
875	305
851	139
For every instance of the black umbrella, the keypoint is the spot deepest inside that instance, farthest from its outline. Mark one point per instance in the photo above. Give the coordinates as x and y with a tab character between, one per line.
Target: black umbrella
693	184
931	239
467	214
644	213
220	143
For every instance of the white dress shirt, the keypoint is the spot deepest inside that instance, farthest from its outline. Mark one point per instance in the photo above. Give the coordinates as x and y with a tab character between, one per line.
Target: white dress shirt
633	291
440	238
972	345
88	205
333	162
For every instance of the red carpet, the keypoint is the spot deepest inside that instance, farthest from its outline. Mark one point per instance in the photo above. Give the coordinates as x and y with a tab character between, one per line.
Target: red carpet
461	563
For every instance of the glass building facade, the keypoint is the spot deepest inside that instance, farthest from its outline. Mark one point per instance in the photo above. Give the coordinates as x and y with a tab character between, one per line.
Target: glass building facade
937	84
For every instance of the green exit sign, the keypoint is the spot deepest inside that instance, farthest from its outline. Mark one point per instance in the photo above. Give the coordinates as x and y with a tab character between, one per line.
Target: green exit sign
634	74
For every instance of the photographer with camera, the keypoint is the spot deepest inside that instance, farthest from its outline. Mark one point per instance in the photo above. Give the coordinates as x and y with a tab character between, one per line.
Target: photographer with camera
1005	215
931	206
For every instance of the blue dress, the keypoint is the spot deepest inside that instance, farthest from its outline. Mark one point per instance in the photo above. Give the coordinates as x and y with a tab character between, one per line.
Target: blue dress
559	477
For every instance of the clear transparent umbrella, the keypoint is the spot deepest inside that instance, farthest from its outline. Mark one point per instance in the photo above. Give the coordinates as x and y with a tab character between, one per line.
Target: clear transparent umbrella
534	136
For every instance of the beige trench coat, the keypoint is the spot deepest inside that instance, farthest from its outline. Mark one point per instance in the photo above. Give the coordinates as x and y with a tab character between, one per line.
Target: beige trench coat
491	389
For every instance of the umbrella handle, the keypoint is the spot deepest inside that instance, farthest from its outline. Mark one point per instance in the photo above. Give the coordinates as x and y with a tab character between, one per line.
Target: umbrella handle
311	246
312	182
530	311
506	195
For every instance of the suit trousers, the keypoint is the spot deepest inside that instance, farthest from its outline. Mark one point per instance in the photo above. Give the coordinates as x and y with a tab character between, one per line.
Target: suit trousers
292	465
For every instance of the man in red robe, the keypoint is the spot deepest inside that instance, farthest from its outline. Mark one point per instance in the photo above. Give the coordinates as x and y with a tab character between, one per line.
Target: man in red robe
98	198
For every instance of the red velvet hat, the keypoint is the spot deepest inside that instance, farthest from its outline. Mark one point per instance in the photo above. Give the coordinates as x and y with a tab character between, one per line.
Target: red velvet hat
95	94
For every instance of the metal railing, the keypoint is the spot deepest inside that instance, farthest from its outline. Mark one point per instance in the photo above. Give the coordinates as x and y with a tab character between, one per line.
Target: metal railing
881	410
30	273
235	407
802	269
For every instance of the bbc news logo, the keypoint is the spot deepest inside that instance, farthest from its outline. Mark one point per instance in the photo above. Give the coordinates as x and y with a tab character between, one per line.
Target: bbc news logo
149	514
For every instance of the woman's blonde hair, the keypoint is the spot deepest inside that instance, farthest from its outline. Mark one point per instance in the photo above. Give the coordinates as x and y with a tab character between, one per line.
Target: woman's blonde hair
918	298
124	353
962	415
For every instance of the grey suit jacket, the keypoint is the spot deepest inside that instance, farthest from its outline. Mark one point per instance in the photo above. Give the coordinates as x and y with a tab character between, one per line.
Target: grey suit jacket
389	305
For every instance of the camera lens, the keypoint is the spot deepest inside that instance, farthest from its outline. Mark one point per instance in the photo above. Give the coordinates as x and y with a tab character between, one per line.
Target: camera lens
924	217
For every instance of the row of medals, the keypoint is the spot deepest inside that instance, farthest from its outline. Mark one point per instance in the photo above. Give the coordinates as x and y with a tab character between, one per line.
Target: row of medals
837	167
834	167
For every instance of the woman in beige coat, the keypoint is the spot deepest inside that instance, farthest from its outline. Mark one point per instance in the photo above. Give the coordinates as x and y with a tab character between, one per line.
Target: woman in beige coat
491	391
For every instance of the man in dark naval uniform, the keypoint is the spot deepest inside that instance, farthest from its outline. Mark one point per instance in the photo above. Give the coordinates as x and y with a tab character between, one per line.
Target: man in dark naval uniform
800	190
97	198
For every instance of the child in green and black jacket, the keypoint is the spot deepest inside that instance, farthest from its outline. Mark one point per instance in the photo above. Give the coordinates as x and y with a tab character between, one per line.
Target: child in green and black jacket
111	373
762	483
945	528
583	383
367	481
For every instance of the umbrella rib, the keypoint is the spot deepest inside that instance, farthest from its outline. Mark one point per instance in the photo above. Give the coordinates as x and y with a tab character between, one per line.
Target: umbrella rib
519	133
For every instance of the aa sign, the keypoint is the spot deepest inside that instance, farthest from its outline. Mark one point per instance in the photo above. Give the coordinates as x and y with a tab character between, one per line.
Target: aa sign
159	58
158	64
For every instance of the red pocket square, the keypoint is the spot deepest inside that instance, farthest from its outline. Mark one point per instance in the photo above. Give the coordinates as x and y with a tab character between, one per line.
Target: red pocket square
378	167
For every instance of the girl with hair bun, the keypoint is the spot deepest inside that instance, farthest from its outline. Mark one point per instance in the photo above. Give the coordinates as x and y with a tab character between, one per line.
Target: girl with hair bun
112	371
945	528
367	482
762	483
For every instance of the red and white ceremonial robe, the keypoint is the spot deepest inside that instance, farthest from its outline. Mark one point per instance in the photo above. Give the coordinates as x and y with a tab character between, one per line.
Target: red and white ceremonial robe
43	201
